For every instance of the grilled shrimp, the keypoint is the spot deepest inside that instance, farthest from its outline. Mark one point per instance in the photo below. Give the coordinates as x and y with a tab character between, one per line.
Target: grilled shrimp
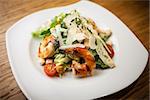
86	68
79	69
46	48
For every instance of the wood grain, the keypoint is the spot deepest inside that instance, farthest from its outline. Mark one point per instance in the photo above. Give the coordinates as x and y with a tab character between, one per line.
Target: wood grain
135	14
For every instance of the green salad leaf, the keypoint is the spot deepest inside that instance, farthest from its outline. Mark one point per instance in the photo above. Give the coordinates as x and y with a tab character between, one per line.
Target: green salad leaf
45	31
61	59
99	62
58	20
41	32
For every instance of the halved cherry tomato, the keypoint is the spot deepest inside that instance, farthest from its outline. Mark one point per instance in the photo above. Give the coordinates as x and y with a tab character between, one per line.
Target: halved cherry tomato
111	50
50	70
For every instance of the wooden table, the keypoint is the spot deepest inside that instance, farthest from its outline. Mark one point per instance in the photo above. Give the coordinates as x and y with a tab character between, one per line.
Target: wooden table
133	13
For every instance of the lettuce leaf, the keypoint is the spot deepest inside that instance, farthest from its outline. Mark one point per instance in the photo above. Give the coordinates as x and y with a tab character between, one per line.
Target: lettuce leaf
99	63
58	20
41	32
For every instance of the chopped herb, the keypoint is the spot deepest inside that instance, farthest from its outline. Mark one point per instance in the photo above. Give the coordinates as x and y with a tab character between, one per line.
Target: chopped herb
64	41
96	42
105	38
61	51
63	35
63	25
76	41
89	30
56	44
72	20
78	21
82	26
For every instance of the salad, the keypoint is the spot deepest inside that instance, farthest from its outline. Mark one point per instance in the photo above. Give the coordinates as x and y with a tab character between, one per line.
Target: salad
70	42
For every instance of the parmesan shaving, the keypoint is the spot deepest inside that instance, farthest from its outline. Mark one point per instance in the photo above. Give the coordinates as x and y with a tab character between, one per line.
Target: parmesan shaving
72	46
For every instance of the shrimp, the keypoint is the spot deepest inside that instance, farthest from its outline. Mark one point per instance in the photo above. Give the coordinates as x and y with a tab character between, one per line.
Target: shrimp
86	68
79	69
46	48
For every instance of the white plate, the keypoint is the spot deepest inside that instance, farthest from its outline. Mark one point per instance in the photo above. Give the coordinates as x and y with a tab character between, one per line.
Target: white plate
130	58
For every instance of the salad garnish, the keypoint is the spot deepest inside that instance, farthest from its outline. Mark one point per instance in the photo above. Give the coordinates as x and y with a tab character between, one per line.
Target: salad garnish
71	42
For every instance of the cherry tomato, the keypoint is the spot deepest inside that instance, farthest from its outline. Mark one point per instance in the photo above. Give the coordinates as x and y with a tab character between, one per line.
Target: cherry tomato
50	70
111	50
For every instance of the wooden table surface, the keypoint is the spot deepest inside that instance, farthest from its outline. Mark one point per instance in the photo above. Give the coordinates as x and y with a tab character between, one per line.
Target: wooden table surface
133	13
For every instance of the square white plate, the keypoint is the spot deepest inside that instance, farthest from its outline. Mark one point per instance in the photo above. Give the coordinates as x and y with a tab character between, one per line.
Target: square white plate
130	58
